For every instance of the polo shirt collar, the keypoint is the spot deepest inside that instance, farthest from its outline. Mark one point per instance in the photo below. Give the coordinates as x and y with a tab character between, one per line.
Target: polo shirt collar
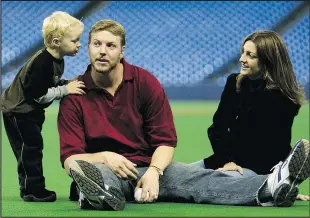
128	70
89	83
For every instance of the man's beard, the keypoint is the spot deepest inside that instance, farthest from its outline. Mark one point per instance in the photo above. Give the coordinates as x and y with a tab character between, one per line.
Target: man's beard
104	71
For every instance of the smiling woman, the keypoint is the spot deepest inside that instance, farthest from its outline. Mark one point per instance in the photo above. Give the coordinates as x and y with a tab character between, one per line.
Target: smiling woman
252	125
249	60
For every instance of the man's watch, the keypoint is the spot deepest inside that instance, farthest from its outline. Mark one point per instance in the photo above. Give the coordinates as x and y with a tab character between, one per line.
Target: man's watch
160	172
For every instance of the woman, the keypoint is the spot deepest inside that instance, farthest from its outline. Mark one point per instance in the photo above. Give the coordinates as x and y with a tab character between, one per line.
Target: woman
252	125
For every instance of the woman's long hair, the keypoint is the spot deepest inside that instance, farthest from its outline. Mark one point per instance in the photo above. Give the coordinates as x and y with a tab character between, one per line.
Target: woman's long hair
275	64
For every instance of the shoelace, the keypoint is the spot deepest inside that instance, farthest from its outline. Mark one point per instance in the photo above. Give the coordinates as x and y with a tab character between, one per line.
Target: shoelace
274	182
276	166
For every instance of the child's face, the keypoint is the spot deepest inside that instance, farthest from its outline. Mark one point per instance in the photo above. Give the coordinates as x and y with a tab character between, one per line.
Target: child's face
70	42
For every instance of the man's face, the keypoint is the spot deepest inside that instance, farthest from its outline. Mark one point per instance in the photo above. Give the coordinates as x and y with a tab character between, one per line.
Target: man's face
105	51
249	60
70	42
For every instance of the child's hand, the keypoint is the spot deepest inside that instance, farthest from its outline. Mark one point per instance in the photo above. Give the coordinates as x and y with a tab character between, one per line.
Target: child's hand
75	78
75	87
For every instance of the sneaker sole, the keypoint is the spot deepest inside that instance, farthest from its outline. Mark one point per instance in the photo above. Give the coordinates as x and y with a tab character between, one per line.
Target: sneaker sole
32	198
89	180
96	196
285	195
93	173
299	168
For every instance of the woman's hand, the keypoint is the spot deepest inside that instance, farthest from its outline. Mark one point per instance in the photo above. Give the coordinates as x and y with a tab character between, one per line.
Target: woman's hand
303	197
231	166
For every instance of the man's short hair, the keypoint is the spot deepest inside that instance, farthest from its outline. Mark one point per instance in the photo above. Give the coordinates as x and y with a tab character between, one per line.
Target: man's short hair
111	26
56	25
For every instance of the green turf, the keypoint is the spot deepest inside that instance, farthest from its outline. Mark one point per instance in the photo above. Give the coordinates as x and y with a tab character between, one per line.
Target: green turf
191	119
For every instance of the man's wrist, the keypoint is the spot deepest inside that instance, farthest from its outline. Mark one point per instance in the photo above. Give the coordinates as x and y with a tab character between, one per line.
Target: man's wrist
159	171
101	157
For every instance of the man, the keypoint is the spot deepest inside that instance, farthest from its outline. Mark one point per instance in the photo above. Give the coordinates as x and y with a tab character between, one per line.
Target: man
120	136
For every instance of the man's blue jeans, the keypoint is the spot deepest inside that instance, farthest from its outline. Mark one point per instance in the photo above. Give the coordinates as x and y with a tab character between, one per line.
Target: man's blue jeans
184	183
246	172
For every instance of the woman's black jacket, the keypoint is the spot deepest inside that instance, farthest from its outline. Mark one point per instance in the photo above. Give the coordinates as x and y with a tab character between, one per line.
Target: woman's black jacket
252	127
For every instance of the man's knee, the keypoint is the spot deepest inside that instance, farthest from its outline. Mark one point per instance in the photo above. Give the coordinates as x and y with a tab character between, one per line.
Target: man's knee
182	167
108	176
178	170
105	170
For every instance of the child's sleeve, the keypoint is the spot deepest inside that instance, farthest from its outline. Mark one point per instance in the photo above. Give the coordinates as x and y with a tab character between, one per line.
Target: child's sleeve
38	79
52	94
63	82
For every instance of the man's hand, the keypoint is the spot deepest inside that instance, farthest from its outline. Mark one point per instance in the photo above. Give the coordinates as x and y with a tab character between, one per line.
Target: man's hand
75	87
149	182
121	166
231	166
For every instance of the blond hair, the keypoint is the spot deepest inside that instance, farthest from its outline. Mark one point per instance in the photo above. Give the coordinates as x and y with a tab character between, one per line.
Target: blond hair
111	26
56	25
276	65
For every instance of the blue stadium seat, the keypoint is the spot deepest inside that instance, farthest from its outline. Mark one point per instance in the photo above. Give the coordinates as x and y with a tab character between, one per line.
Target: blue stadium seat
179	42
22	23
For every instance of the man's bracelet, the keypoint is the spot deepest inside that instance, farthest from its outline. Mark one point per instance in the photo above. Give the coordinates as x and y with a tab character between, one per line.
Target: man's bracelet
160	172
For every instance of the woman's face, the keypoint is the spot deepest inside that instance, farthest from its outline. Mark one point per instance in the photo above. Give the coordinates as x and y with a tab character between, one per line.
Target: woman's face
249	60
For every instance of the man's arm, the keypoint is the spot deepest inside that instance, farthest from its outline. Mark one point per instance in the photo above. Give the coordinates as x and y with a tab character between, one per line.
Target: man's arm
71	129
121	166
162	157
91	158
160	134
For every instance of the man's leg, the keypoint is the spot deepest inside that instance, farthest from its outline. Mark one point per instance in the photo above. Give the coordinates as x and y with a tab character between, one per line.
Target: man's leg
246	172
184	183
199	164
284	180
98	185
126	186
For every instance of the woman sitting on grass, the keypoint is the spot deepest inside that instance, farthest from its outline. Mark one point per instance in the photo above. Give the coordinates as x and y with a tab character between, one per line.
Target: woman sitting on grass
251	130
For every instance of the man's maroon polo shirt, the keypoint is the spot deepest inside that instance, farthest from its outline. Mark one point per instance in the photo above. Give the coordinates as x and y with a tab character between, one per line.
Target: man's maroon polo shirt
133	123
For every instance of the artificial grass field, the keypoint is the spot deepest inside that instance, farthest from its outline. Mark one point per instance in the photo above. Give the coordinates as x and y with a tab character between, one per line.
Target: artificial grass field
192	118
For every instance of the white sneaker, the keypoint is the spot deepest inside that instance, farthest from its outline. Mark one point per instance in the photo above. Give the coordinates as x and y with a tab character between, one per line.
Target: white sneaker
287	175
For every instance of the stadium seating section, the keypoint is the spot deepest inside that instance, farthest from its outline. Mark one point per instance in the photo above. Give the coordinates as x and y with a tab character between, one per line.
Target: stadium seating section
179	42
